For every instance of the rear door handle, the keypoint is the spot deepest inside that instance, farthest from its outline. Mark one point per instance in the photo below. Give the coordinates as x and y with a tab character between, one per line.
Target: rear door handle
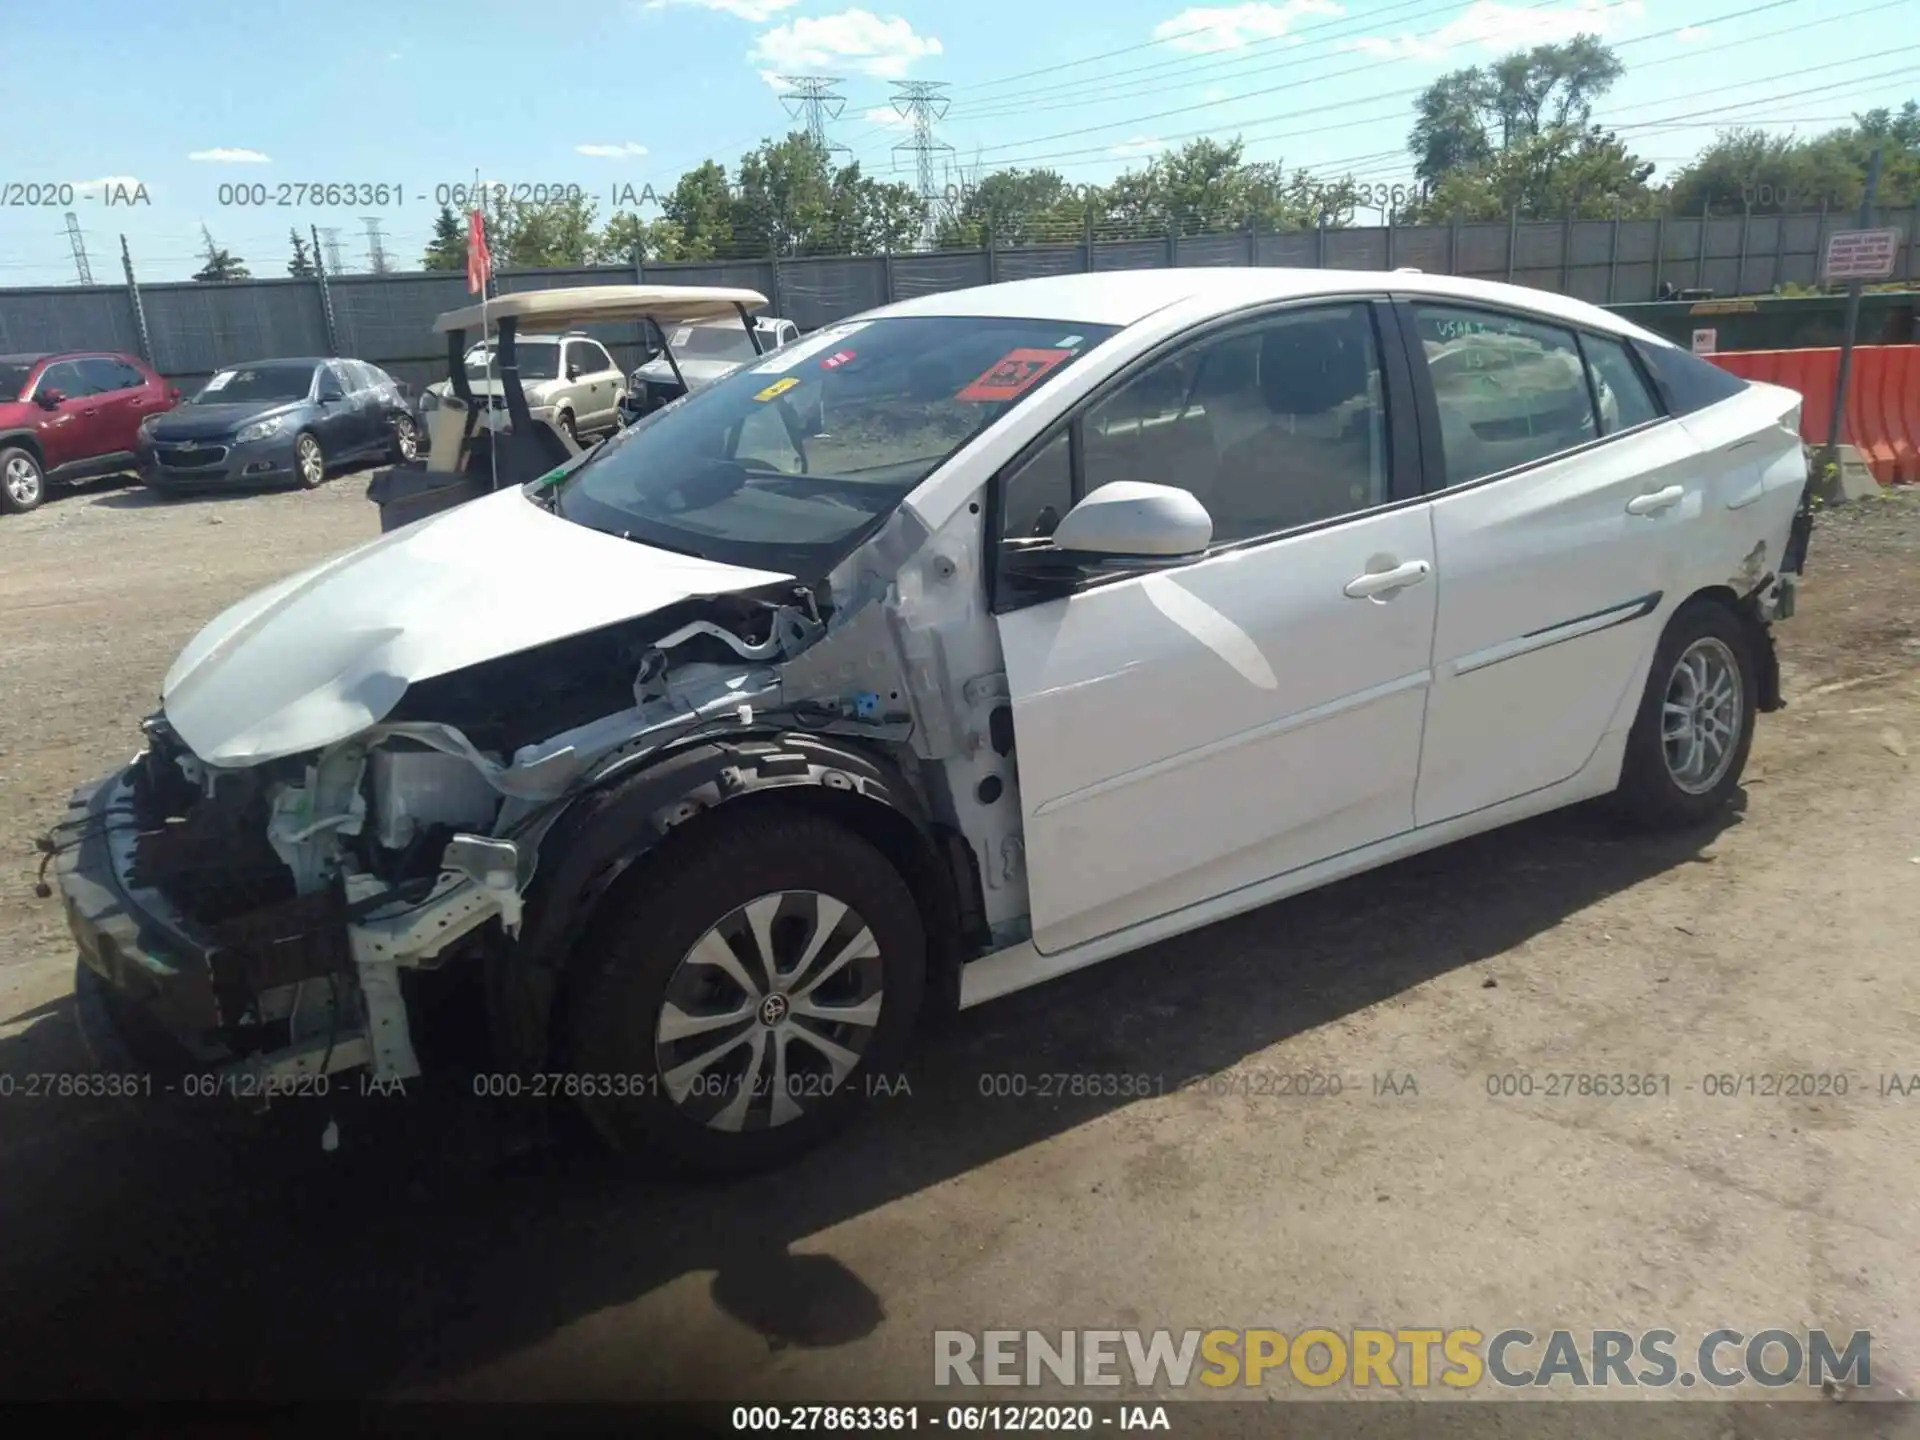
1656	502
1378	583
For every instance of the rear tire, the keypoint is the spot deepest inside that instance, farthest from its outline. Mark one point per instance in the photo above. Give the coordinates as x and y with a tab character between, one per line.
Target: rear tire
1690	740
713	1069
406	439
23	484
567	427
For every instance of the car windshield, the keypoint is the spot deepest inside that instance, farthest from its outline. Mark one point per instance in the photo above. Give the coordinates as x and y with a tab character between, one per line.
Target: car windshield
715	342
789	463
256	382
13	379
538	359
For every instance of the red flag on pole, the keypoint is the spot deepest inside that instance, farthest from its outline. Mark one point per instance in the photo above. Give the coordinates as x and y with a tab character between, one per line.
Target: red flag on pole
479	258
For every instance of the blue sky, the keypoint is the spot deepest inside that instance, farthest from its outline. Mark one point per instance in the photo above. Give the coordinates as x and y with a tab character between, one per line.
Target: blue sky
186	98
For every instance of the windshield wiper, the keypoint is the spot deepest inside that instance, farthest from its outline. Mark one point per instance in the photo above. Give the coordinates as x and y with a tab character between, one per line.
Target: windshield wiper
656	545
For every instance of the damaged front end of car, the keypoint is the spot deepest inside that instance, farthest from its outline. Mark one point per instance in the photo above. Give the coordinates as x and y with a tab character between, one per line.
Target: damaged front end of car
274	920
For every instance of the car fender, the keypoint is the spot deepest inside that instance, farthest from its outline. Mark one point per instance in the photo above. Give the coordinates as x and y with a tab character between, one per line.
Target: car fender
602	833
24	436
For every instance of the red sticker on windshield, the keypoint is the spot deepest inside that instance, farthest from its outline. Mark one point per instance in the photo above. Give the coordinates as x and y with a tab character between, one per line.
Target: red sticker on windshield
837	359
1013	375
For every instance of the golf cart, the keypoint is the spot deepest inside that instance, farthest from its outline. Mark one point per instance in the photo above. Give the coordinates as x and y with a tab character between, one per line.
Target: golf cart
481	442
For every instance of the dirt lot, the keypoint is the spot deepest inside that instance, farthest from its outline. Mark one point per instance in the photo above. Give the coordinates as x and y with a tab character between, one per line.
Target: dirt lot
138	1261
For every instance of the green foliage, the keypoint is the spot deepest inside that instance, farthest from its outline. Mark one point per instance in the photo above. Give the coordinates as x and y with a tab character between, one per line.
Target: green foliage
221	264
447	250
300	267
1786	174
1466	119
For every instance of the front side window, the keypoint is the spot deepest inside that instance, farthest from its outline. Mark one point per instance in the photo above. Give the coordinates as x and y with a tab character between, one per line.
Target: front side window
255	384
67	378
591	359
787	463
1509	391
1270	426
727	340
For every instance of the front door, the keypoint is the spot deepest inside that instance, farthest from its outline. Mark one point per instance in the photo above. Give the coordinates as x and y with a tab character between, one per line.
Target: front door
73	431
341	424
1558	534
1188	732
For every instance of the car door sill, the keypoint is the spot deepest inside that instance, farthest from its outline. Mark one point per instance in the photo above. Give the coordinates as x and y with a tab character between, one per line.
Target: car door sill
1016	967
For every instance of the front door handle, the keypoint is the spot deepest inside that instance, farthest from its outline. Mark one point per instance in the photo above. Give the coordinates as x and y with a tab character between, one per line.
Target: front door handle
1379	583
1656	502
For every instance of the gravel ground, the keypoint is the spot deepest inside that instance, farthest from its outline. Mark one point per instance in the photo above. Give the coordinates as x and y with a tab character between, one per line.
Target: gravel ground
135	1261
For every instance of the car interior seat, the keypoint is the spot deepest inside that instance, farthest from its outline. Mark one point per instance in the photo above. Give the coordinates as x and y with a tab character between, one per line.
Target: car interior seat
1317	454
1152	431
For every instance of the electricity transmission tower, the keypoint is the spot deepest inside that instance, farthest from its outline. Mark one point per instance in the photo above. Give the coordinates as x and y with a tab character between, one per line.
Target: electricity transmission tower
376	250
79	249
331	238
921	102
812	100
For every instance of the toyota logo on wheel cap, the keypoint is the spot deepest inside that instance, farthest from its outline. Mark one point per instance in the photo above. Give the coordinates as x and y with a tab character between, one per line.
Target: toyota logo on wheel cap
773	1010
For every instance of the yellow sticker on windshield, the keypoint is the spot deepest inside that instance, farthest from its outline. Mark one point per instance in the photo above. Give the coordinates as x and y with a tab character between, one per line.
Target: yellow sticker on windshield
778	388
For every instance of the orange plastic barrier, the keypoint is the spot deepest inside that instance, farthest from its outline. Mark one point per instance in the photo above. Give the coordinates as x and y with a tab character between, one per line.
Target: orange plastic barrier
1883	400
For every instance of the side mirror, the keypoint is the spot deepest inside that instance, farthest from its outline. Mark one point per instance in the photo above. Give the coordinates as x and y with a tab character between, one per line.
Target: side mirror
49	399
1132	520
574	370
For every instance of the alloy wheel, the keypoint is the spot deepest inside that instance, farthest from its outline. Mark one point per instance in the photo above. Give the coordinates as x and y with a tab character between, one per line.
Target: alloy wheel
23	481
306	455
405	438
769	1012
1701	715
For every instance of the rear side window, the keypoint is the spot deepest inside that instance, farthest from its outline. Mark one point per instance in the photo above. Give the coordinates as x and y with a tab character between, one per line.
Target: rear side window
1687	383
1625	400
1509	391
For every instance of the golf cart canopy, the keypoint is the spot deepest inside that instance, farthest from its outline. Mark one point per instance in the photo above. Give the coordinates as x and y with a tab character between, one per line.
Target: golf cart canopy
586	304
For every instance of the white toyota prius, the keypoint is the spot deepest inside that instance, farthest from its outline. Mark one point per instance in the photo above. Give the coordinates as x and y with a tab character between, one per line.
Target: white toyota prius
964	643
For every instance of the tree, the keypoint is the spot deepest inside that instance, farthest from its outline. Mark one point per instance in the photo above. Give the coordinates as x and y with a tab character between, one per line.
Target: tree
783	200
447	250
1017	207
1208	186
1746	169
1466	117
548	234
221	265
1563	171
700	210
301	265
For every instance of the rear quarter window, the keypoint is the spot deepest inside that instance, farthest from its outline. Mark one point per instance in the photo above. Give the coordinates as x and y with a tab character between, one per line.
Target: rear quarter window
1687	383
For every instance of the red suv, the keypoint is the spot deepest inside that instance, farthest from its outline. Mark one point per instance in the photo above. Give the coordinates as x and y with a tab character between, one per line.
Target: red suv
71	416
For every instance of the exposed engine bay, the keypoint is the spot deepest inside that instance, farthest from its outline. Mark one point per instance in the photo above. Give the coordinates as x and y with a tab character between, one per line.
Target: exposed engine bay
313	881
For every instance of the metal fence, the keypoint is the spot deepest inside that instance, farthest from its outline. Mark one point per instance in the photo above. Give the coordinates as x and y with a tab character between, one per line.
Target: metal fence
186	330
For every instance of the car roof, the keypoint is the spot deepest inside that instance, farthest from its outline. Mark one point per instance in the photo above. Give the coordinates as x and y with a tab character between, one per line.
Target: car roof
34	357
1123	297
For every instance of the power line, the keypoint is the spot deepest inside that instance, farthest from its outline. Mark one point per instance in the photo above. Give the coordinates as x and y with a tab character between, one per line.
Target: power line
330	237
79	243
376	249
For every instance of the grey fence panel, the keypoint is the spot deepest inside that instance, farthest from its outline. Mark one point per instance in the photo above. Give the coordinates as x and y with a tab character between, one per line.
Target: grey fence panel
1422	247
1359	249
1537	249
815	292
1633	282
1293	248
1637	239
388	319
1211	250
1482	252
1030	264
1130	255
931	274
96	318
737	274
199	328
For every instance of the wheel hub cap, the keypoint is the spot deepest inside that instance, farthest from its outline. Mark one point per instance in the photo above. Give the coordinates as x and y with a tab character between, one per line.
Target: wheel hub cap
1701	715
770	1012
22	483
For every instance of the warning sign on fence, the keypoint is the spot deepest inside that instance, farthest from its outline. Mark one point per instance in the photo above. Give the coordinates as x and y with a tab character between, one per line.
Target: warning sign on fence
1861	255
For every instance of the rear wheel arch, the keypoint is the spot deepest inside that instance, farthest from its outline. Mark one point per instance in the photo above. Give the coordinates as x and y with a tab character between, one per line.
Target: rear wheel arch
1760	651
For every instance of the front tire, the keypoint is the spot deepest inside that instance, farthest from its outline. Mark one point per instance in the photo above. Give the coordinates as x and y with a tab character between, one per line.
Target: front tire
1690	741
567	426
747	994
23	484
309	461
406	439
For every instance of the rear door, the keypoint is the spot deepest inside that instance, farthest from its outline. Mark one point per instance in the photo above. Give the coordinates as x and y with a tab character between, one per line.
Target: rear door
597	388
1187	732
1564	495
124	399
340	421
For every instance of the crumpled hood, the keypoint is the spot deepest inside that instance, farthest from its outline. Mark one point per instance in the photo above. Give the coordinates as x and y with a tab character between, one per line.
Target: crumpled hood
320	657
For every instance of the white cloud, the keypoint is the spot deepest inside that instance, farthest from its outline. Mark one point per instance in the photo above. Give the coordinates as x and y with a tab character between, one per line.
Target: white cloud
1692	33
229	155
622	151
1139	145
1493	26
856	40
1205	30
757	11
105	182
887	118
1214	94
